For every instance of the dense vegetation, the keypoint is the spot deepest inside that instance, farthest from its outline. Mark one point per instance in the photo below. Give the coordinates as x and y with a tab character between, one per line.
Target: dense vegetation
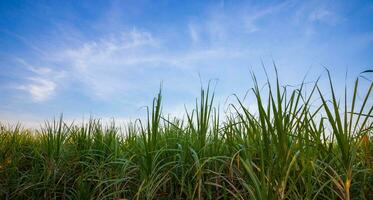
294	146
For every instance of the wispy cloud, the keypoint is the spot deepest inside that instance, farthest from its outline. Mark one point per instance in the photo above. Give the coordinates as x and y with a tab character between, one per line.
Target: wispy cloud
252	15
105	66
101	50
41	82
40	89
222	23
193	32
324	15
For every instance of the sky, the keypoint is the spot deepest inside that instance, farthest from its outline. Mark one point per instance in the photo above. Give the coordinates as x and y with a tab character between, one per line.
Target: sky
108	59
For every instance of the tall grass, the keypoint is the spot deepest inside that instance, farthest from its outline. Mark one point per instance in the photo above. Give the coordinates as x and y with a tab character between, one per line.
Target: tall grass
294	146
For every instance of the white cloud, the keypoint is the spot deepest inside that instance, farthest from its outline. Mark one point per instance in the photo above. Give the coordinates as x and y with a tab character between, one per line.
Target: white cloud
41	83
40	89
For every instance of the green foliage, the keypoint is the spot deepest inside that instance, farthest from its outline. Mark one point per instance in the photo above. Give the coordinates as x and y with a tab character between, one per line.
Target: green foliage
294	146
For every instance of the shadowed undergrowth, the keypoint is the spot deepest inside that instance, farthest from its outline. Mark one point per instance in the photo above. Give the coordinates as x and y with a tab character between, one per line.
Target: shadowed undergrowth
294	146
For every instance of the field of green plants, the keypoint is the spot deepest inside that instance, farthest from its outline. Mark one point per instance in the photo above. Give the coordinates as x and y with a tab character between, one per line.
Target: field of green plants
297	144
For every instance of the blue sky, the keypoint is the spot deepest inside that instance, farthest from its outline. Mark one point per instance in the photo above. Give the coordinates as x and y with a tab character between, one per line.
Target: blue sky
108	58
